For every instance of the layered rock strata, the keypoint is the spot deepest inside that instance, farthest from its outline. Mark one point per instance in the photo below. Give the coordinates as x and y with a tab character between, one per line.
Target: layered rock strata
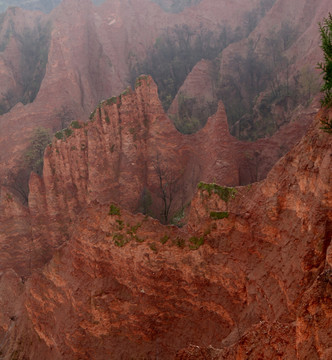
249	275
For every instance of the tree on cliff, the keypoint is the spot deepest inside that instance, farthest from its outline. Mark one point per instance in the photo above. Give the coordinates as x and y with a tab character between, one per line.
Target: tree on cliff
326	66
168	185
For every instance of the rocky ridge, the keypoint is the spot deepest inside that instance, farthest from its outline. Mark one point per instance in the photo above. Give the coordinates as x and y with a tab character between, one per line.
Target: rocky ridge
255	261
250	275
91	49
118	156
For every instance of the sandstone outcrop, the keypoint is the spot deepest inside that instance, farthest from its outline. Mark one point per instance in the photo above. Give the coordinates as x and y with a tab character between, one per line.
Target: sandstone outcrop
91	49
121	156
85	275
249	275
198	84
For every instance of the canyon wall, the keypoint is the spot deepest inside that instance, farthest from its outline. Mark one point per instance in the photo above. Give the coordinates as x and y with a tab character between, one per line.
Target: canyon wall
84	274
129	153
249	275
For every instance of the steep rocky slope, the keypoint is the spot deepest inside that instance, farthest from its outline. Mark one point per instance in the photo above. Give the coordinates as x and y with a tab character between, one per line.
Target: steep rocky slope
82	276
251	75
125	286
123	155
91	49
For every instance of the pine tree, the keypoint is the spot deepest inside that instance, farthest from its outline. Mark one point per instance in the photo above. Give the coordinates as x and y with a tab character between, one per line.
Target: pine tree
326	66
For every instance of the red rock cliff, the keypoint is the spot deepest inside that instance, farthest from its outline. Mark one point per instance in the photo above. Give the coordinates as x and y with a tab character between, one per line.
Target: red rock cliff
125	286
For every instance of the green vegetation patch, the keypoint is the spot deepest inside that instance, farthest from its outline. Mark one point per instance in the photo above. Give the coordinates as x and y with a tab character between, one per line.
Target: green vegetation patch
326	125
179	242
326	66
224	192
164	239
114	210
153	247
59	135
120	224
62	134
218	215
195	242
178	218
111	100
139	80
126	92
75	124
68	132
120	240
134	228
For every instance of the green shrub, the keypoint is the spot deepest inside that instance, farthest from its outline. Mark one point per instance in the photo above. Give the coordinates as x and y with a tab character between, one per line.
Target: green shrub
225	193
178	217
153	247
114	210
59	135
120	224
75	124
111	100
126	92
134	228
326	124
119	240
196	242
164	239
138	81
107	119
218	215
326	66
68	132
180	242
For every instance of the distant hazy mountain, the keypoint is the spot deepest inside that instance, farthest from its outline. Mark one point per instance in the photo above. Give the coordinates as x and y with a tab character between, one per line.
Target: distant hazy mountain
175	5
48	5
43	5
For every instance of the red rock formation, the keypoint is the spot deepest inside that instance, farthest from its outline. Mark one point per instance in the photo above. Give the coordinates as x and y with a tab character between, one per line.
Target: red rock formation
199	85
115	158
15	234
125	286
91	51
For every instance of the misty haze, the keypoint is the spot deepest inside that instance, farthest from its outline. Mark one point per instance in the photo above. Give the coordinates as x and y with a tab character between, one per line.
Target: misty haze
165	179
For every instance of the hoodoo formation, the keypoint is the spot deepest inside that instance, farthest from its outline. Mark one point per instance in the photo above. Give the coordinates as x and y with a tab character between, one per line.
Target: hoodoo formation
188	216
